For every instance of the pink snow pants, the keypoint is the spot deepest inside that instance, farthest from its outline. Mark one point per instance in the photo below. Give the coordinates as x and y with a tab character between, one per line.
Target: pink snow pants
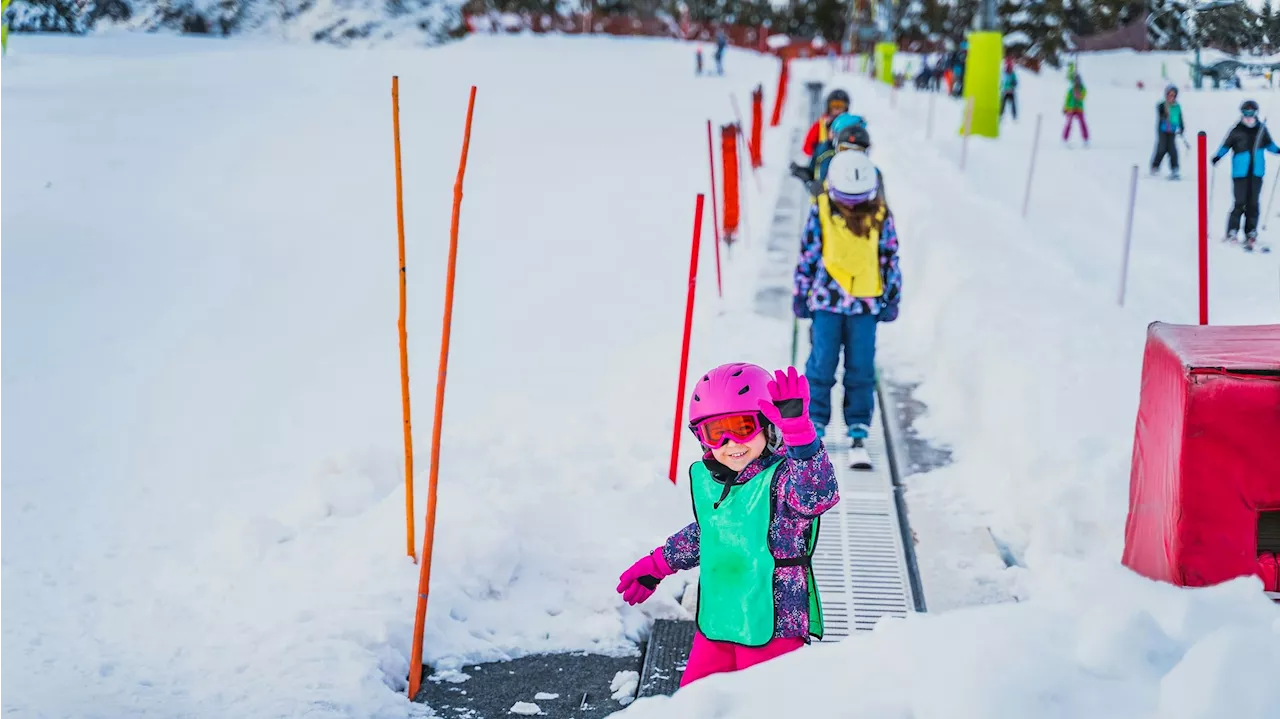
1084	129
711	657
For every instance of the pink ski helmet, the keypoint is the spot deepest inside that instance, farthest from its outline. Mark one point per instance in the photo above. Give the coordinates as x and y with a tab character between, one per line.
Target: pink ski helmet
729	388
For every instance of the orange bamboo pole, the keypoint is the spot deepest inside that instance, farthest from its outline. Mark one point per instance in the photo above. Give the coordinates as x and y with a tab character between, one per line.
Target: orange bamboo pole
400	324
428	539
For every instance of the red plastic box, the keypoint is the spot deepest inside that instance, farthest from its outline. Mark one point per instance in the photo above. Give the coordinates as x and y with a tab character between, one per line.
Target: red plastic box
1206	454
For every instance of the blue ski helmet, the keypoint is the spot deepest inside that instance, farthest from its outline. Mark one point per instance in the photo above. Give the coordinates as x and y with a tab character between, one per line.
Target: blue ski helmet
847	120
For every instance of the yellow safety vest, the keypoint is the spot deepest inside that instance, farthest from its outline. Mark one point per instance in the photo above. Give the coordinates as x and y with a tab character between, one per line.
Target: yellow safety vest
852	261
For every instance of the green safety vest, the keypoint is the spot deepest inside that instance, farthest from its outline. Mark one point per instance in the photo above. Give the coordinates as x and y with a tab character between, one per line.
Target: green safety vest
735	588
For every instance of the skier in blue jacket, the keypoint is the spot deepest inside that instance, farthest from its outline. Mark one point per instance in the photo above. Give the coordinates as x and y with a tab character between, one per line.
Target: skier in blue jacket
1169	125
1246	141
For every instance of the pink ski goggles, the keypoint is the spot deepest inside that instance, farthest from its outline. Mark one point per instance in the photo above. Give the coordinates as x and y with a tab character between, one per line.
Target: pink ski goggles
715	431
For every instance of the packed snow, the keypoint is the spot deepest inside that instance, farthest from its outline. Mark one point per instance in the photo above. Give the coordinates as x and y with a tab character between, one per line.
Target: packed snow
1096	642
204	462
205	511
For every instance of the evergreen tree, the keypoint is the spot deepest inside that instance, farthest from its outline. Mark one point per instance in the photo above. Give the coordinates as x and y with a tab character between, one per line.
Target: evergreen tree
1039	29
1266	21
1231	29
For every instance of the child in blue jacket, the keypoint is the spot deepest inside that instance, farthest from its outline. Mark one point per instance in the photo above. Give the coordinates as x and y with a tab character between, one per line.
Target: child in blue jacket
1169	125
1246	141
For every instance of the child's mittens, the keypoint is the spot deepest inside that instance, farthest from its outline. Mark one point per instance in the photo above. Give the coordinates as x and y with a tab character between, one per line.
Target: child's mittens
789	410
638	582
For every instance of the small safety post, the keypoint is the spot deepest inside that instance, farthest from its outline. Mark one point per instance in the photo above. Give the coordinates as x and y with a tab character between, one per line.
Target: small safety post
1128	232
729	156
928	126
428	538
715	215
783	77
684	343
1202	197
968	125
1031	168
757	127
401	327
737	116
1272	199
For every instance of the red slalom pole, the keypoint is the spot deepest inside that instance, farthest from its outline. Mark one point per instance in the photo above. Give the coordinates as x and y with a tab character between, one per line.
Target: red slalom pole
715	214
1202	197
688	327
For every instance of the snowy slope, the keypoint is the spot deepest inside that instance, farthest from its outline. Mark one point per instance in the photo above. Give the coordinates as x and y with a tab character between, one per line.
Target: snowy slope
203	458
1030	366
202	466
1030	371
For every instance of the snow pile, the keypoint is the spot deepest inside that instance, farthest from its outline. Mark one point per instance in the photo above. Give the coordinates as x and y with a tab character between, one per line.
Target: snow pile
1096	641
202	475
624	686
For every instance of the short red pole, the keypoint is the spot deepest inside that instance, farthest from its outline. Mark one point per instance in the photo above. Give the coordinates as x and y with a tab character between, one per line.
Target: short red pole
688	327
781	97
757	125
1202	196
715	214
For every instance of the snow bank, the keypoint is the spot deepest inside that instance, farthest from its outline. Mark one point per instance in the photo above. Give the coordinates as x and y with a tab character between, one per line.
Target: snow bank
1096	641
202	466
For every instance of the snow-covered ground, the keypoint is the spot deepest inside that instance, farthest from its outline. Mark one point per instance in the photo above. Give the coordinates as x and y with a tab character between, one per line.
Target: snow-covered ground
203	466
1030	370
1028	364
202	460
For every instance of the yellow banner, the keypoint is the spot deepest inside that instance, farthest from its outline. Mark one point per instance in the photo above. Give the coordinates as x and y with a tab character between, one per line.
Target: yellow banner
4	28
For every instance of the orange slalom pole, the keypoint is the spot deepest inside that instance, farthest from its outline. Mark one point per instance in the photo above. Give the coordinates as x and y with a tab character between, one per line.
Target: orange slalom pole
729	156
400	324
428	539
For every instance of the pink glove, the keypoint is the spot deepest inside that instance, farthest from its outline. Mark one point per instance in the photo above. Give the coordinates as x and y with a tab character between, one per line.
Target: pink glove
789	410
637	583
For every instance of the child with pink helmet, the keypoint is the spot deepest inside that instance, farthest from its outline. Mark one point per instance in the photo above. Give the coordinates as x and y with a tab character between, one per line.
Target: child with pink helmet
758	492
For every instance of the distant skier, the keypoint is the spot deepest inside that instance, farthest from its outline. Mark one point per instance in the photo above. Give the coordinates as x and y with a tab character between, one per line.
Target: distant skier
1073	108
758	491
1246	141
1169	126
698	61
851	136
1009	90
820	131
722	41
826	149
847	280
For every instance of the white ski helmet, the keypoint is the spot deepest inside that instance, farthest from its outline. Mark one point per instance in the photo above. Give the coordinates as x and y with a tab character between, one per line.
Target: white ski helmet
851	178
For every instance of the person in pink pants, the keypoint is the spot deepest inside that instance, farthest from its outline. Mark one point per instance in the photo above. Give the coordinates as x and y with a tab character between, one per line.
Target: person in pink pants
1073	108
758	491
711	657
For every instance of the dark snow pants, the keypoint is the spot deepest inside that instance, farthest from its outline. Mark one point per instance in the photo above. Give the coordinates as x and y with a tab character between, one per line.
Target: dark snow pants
1009	100
1166	144
1247	191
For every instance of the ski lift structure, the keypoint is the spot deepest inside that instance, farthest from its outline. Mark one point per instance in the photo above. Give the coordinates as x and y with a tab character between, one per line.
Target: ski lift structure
1161	37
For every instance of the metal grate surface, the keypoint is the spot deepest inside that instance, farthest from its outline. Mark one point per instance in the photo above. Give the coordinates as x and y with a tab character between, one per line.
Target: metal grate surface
859	561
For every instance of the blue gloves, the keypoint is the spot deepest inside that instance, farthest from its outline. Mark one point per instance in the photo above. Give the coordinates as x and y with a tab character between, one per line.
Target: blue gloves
888	313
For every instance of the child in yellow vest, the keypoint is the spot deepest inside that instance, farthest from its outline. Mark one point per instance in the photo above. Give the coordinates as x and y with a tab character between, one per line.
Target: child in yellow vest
847	281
